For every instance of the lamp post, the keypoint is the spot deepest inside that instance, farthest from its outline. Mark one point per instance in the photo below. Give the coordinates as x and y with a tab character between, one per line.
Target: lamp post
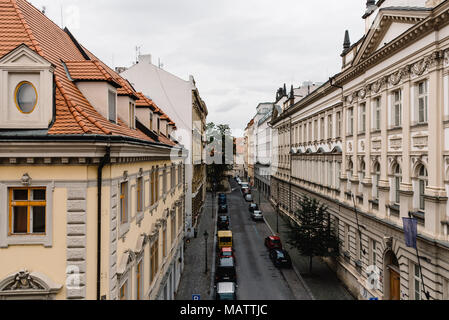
206	235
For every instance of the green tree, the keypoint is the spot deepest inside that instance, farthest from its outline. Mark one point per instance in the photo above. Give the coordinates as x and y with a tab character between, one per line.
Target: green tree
220	159
312	233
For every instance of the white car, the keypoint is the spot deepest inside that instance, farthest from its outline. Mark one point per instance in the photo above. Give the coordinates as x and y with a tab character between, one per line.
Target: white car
257	215
249	198
244	185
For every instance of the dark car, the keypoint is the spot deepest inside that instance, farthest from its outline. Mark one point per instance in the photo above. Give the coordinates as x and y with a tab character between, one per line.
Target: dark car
223	222
222	208
252	207
225	271
280	258
273	242
222	198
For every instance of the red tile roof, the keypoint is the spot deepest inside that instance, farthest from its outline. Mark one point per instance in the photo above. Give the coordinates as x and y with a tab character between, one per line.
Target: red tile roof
22	23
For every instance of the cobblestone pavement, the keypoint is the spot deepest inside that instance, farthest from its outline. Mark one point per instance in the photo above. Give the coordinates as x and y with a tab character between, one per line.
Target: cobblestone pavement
194	280
324	284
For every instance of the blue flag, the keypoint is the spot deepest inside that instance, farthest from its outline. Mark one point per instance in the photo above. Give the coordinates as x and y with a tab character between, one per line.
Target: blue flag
410	231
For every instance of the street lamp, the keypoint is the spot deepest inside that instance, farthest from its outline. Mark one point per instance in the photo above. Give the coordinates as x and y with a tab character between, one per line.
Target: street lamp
206	235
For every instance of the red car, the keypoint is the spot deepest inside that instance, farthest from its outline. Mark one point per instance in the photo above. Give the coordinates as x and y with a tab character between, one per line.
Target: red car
273	242
226	253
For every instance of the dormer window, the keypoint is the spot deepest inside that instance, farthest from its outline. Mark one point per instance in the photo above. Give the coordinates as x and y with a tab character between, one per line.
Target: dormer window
26	90
158	125
112	106
25	97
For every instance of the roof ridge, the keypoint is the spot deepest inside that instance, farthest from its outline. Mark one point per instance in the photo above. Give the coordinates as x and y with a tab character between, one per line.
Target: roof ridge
28	29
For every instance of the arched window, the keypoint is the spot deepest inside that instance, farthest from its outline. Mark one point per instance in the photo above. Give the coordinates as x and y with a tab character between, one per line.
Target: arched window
397	183
422	184
376	180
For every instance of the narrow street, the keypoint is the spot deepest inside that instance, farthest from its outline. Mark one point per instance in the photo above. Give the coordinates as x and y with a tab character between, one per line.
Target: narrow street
257	277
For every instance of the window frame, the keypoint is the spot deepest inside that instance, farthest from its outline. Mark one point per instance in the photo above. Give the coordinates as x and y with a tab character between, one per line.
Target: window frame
26	239
396	113
377	112
112	105
28	204
425	98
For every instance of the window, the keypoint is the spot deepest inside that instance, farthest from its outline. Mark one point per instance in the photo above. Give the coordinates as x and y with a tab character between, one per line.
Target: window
339	124
397	108
139	281
376	180
322	129
180	174
158	125
164	243
180	217
124	291
152	186
156	184
350	121
112	106
362	116
422	183
27	211
173	230
154	260
337	178
139	189
310	132
417	281
376	115
373	253
362	176
132	116
329	127
25	97
124	202
422	102
330	175
397	183
315	130
164	181
151	121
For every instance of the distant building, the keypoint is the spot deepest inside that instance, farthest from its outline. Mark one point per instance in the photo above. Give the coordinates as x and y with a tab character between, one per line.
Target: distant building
184	105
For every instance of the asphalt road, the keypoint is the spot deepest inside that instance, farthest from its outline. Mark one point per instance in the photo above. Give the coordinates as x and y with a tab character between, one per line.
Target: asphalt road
257	277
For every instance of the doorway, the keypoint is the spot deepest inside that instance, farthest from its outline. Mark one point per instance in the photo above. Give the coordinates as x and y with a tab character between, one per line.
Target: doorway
392	286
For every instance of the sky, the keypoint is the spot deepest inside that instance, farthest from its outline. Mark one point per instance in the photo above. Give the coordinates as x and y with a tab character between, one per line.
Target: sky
239	51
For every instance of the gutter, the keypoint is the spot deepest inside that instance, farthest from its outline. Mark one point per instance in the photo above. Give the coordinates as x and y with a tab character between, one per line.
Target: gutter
106	160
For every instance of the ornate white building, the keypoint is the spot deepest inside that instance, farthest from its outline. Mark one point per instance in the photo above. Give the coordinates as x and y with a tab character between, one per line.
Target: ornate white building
378	130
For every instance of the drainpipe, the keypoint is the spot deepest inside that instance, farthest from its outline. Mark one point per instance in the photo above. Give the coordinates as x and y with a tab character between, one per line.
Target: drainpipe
104	161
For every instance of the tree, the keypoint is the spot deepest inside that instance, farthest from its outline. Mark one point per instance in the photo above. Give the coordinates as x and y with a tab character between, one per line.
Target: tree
312	234
220	158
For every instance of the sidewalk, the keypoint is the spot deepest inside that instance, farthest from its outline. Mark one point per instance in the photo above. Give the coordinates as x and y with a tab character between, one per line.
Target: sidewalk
194	280
324	284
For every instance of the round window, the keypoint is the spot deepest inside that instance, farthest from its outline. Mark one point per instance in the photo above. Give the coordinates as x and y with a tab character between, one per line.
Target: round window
26	97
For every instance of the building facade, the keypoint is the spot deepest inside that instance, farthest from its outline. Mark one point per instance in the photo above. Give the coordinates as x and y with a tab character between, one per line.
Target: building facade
92	196
375	136
263	145
182	103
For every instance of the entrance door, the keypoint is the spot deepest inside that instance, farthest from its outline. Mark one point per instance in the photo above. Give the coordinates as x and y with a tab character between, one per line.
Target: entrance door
395	284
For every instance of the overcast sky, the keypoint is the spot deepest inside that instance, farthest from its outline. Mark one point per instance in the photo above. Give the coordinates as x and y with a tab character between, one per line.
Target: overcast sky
239	51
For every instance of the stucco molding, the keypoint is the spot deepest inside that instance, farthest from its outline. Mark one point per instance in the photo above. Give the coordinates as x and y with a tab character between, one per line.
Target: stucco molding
28	284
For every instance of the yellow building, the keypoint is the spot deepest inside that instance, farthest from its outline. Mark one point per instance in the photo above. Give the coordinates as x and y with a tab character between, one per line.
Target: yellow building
91	197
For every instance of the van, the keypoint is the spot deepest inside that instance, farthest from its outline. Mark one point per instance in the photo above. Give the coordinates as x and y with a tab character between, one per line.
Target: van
226	291
225	270
224	239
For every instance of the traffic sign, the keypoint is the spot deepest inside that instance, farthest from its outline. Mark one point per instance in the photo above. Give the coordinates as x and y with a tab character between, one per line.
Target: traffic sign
196	297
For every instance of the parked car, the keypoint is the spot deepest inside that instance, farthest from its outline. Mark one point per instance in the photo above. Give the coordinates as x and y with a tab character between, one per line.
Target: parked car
222	201
244	185
226	291
280	258
273	242
225	270
222	208
223	222
226	252
249	197
252	207
257	215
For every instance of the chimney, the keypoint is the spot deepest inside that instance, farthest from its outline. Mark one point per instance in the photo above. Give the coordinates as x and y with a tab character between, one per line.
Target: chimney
145	58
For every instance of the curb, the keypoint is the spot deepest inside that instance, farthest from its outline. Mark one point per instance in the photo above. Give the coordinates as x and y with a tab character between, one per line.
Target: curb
306	287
